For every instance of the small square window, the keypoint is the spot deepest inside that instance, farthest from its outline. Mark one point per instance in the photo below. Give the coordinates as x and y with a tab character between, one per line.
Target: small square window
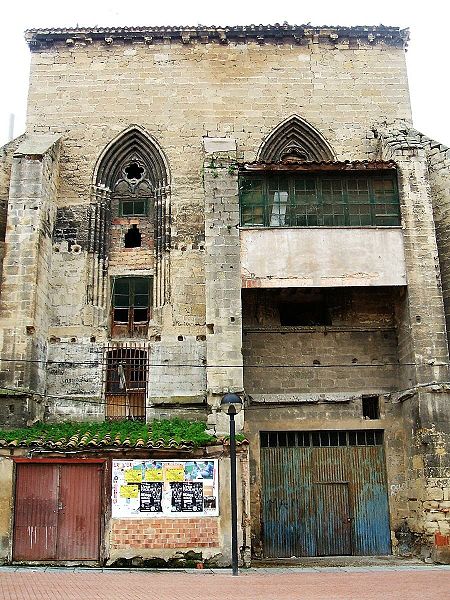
133	208
371	407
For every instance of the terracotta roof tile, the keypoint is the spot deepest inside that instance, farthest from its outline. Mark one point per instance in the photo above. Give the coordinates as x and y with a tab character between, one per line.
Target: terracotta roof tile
299	34
87	436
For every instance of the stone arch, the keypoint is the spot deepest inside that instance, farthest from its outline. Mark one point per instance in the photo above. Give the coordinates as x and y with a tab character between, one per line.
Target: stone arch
133	141
132	166
295	139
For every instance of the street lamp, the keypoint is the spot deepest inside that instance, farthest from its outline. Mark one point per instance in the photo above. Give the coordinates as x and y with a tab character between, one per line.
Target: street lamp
231	404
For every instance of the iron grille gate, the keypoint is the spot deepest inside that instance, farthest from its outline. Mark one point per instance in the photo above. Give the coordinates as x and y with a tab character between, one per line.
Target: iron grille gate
125	382
324	494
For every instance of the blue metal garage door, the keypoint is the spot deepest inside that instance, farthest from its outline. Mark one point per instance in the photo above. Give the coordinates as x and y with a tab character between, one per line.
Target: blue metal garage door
324	493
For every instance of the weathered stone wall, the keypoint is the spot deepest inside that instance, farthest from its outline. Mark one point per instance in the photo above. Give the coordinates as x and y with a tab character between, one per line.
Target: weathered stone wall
425	330
6	154
24	314
425	526
356	352
206	84
6	504
438	157
223	281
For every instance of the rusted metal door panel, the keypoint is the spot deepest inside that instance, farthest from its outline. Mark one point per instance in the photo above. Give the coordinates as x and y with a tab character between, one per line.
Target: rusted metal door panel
79	512
324	493
57	512
331	501
287	491
331	504
36	512
371	530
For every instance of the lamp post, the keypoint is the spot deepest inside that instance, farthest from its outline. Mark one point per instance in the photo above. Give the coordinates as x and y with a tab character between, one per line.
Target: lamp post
231	404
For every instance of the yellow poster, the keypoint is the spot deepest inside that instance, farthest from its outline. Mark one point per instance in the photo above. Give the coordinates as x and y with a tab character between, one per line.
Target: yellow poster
129	491
133	475
153	474
174	472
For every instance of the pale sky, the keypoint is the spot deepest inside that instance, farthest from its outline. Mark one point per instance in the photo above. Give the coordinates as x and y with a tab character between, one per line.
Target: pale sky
427	56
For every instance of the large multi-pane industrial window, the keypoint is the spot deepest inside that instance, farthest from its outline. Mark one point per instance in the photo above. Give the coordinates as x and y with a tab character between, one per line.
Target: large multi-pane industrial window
321	199
131	306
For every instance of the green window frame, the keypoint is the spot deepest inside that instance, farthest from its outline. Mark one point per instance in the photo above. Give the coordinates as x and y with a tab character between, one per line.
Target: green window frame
319	200
133	207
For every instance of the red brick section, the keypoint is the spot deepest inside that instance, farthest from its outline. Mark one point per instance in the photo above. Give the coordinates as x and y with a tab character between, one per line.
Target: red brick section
165	533
427	584
441	540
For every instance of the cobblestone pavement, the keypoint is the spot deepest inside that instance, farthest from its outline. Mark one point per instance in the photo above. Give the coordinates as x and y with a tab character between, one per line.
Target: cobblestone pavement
315	583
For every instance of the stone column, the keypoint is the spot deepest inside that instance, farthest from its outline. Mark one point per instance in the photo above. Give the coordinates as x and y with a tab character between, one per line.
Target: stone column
223	279
25	303
423	344
422	329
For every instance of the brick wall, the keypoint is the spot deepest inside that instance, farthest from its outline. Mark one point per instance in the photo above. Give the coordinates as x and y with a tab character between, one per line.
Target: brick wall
129	534
141	257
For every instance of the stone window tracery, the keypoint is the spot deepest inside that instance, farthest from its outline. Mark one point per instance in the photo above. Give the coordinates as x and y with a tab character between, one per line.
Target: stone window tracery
130	227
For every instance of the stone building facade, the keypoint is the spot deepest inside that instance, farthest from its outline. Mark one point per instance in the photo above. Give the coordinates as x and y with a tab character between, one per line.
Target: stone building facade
195	211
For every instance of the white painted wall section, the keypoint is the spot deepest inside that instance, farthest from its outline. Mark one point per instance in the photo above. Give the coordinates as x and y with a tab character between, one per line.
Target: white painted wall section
322	257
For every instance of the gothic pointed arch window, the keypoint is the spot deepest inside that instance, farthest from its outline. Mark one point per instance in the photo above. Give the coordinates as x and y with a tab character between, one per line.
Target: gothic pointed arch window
294	139
297	182
130	232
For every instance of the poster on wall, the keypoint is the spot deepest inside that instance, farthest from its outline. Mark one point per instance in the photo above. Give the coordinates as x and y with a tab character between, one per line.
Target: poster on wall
176	488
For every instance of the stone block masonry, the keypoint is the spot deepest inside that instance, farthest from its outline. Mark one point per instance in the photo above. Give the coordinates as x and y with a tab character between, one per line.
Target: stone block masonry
190	110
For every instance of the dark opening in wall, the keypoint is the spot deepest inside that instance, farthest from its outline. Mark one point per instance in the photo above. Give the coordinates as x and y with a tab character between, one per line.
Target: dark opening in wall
304	313
371	407
134	171
133	237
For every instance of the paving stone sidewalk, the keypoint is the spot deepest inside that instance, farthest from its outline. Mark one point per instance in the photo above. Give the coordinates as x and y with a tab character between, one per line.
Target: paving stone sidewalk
311	583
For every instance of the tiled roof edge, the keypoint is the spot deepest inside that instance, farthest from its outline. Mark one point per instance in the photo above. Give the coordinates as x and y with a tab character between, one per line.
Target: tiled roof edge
68	445
301	34
320	165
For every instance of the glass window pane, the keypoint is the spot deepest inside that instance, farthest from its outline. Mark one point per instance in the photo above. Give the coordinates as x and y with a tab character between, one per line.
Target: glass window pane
141	300
126	208
121	315
122	285
140	315
140	285
121	301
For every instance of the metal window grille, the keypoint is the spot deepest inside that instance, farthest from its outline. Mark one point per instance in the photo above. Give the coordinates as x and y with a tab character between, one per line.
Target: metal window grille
303	439
328	200
126	380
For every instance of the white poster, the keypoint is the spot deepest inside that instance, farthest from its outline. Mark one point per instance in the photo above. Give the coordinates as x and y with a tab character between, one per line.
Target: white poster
175	488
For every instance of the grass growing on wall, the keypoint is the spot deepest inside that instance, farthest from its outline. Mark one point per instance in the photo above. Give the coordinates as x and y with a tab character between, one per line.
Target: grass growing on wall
170	430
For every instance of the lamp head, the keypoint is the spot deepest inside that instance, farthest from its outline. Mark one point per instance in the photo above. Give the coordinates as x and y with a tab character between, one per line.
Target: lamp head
231	404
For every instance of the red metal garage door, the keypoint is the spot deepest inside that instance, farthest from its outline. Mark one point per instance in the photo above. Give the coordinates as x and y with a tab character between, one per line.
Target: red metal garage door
57	511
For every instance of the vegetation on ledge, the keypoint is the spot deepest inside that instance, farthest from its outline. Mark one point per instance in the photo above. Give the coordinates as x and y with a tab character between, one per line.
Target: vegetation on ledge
173	430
